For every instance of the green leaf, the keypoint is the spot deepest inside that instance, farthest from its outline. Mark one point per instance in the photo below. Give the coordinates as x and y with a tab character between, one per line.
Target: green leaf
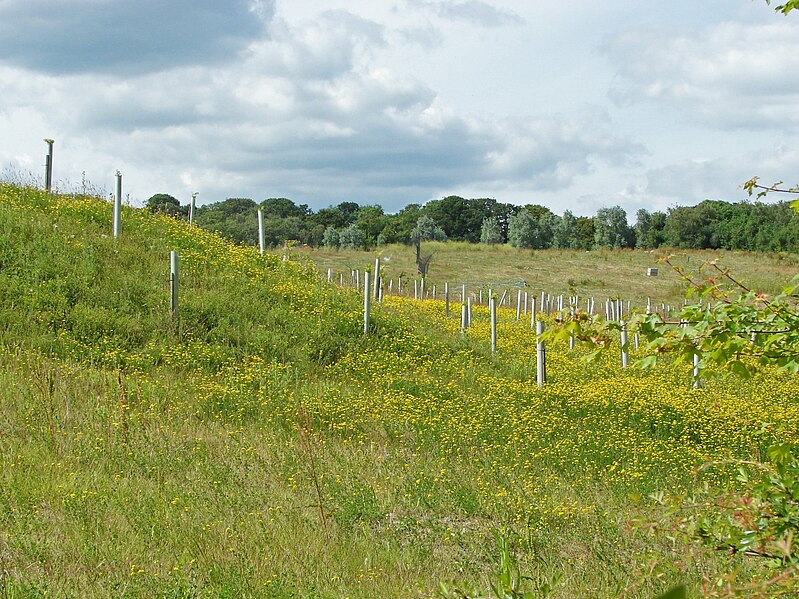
780	453
679	592
740	369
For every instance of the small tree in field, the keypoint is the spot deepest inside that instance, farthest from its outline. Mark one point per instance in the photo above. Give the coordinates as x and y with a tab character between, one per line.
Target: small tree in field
331	238
490	232
351	238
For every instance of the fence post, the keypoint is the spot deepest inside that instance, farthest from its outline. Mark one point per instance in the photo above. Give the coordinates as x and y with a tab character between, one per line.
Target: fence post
446	300
174	267
468	312
697	379
463	317
519	305
625	357
532	312
261	232
367	295
118	206
492	308
192	207
541	355
48	166
571	333
376	290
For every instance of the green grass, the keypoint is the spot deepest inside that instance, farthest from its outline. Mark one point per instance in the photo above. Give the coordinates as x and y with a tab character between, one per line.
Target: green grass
599	274
260	445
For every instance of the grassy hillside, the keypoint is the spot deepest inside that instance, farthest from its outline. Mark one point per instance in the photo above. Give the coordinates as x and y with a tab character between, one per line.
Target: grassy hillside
260	445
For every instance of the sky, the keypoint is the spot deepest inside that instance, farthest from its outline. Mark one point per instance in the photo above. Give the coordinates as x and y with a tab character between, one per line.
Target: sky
573	105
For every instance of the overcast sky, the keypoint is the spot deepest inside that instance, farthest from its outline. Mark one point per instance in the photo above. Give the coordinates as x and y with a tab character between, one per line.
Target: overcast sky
575	105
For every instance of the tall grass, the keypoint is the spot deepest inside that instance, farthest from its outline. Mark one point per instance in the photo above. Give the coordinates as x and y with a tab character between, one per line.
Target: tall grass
260	445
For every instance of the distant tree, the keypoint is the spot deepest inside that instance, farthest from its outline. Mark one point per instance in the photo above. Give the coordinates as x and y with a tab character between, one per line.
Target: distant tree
235	218
460	218
331	239
584	225
401	224
426	229
348	211
490	232
327	217
611	228
525	231
649	229
351	237
163	203
693	227
371	221
283	208
565	233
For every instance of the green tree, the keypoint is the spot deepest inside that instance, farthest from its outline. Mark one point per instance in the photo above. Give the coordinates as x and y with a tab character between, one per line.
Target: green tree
490	232
371	221
164	203
235	218
351	238
649	229
584	226
283	208
331	239
611	228
564	234
426	229
525	231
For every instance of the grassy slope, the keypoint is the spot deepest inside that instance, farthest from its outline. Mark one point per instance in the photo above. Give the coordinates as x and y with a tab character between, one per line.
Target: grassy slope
262	447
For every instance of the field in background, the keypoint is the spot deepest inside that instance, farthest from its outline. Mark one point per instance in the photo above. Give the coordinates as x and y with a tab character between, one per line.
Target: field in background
598	273
260	445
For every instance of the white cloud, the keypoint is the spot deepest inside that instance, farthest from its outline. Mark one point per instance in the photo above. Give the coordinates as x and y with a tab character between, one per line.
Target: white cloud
473	12
731	75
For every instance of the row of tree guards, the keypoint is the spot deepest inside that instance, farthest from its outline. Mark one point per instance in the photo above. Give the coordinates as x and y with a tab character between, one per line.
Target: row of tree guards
513	295
372	289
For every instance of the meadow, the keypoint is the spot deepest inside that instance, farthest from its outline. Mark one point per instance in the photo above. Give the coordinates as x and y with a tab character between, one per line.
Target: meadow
600	274
259	445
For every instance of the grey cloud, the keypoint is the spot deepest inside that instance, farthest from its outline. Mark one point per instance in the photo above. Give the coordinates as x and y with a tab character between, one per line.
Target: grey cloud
126	36
474	12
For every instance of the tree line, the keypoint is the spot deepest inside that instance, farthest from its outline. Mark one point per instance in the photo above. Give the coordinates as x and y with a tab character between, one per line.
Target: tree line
712	224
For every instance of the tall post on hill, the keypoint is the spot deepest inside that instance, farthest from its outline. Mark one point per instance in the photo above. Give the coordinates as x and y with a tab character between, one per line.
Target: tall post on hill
118	206
492	308
367	296
376	284
625	355
446	300
174	267
541	355
48	166
192	207
261	232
